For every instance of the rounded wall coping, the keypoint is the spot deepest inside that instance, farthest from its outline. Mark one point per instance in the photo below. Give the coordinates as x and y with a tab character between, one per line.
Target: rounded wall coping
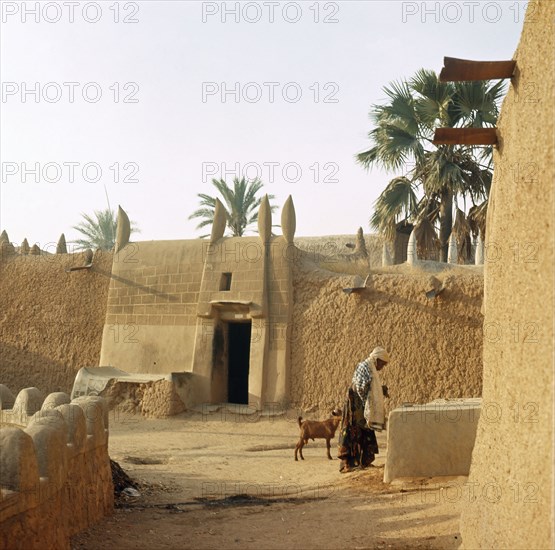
94	410
76	426
19	469
48	417
28	402
7	398
54	399
101	401
34	462
51	450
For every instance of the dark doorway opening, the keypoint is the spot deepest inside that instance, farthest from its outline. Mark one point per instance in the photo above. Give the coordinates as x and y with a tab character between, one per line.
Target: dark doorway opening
239	341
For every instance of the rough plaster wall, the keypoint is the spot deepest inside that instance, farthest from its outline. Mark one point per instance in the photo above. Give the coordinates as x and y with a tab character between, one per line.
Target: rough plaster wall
50	321
515	453
435	345
156	399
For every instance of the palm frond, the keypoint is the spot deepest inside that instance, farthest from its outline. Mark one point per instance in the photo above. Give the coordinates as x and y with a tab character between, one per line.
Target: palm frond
433	99
240	202
398	198
400	141
476	218
99	231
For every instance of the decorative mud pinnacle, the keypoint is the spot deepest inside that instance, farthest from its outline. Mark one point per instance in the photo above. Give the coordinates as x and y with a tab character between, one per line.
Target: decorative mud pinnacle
219	223
24	249
6	247
360	247
61	247
288	220
123	231
265	220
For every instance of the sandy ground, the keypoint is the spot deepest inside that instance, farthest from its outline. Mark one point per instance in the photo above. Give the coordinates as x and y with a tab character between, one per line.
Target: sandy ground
230	481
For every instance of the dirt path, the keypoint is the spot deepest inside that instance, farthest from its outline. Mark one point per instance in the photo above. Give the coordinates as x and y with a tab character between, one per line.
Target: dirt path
230	481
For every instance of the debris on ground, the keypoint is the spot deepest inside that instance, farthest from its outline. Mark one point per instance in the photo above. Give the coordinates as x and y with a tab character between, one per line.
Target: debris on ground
122	481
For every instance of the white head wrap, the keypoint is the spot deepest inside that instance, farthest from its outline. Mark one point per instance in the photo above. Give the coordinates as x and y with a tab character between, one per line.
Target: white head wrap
378	353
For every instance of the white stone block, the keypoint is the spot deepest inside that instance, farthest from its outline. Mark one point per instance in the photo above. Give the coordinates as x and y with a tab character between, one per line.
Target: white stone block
435	439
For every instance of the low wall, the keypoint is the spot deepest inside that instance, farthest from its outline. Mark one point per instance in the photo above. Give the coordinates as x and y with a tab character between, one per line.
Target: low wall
435	344
157	399
55	475
431	440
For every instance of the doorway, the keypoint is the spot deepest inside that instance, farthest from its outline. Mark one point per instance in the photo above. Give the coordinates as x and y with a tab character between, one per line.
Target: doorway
239	347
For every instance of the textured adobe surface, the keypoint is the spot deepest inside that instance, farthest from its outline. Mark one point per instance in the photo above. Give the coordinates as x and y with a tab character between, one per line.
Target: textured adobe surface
50	321
513	455
435	345
53	323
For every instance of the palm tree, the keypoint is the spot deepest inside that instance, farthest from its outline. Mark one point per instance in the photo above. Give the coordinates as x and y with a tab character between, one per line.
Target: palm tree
402	141
99	232
398	199
241	205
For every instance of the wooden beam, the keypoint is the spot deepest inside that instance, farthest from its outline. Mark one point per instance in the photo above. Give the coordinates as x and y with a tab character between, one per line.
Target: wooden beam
465	136
462	69
357	288
78	268
431	294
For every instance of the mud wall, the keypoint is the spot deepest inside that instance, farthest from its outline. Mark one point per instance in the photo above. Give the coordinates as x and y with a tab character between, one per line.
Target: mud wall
55	475
152	306
168	298
53	323
435	344
50	320
513	455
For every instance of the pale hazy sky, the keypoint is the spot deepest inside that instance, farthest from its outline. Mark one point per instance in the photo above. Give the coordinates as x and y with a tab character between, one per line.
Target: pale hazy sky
111	94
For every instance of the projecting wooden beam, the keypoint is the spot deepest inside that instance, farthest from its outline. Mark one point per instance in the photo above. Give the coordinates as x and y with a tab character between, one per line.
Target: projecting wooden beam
78	268
357	288
462	69
465	136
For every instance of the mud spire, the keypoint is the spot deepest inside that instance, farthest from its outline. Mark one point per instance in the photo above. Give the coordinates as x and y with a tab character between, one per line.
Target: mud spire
288	220
219	223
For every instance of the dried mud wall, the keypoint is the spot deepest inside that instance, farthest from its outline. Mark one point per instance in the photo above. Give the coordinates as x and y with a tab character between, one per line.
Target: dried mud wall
152	302
51	321
435	344
55	474
512	462
156	399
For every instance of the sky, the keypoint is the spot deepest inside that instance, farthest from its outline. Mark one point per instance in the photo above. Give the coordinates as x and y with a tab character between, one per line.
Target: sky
142	103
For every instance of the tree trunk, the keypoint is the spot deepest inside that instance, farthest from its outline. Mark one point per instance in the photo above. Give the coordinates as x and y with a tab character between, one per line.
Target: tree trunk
445	222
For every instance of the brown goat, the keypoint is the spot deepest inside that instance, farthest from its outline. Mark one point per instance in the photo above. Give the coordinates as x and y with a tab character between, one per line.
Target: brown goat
315	429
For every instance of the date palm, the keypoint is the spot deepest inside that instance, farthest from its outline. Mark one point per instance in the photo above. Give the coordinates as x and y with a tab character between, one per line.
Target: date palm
241	204
402	137
99	231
